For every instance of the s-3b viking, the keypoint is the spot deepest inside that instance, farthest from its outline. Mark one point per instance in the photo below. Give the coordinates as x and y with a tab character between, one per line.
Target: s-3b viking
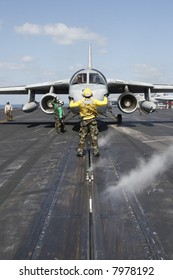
127	101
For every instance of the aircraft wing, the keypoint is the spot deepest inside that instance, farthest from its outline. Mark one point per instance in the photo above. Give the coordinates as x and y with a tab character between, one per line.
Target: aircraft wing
59	87
164	98
118	86
13	90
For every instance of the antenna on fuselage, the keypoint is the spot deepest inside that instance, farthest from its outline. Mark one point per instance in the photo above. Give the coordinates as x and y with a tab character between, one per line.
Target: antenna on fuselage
89	57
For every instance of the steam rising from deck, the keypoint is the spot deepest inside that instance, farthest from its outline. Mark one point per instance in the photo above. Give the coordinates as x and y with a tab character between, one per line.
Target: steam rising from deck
145	173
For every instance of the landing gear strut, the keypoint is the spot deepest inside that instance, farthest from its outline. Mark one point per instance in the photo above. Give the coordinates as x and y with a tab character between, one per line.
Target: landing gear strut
119	119
112	116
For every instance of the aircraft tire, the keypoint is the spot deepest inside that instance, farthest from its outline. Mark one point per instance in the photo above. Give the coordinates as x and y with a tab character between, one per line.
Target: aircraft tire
119	119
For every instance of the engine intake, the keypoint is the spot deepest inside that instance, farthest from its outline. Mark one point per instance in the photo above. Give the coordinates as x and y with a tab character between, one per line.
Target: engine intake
148	106
127	103
46	103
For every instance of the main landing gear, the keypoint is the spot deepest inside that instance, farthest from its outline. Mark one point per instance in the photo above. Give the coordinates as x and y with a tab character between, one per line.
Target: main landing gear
117	118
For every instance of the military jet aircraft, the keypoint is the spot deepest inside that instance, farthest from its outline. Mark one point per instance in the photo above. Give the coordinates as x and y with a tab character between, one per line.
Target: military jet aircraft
163	97
96	81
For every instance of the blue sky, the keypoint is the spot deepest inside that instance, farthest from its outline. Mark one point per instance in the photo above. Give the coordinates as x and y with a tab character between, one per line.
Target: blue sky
43	40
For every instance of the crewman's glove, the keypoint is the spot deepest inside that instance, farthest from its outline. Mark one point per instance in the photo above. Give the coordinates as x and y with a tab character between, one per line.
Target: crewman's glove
106	94
70	98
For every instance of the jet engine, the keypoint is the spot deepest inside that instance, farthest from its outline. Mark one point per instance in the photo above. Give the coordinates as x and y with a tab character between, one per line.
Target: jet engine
127	103
147	106
46	103
30	106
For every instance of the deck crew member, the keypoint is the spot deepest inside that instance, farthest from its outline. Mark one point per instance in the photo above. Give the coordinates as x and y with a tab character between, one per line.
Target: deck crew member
58	115
88	113
8	111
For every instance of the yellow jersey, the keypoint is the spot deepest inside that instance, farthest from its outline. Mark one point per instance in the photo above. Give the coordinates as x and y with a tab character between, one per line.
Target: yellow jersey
88	107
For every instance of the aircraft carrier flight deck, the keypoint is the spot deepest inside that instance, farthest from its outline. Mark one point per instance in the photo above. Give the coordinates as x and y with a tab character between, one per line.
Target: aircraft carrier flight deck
56	206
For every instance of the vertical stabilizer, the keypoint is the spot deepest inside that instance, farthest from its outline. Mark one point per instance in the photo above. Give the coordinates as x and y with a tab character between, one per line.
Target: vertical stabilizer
89	58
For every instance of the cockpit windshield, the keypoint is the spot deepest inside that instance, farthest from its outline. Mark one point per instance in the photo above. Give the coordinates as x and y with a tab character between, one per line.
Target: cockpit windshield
88	77
95	78
80	79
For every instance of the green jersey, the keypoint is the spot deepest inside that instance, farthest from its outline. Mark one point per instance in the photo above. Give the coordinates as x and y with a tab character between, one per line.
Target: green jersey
58	110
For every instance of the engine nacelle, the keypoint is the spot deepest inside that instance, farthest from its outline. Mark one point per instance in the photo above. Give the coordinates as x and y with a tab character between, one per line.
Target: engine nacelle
147	106
46	103
127	103
30	106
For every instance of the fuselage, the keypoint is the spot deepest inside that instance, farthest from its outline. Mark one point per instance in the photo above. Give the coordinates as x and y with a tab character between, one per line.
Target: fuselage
91	78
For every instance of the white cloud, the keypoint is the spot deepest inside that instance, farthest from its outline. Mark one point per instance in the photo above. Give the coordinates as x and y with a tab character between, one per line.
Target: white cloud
146	72
27	58
103	51
11	66
19	65
61	33
28	29
74	68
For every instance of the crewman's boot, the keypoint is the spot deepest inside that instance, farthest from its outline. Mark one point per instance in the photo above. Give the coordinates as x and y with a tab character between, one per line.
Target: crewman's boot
96	152
80	152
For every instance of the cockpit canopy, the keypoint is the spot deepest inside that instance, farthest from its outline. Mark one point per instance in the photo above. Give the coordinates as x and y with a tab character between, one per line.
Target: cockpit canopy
88	77
79	79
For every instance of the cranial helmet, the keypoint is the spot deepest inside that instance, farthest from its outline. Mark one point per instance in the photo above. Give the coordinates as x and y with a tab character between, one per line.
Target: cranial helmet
61	102
87	93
